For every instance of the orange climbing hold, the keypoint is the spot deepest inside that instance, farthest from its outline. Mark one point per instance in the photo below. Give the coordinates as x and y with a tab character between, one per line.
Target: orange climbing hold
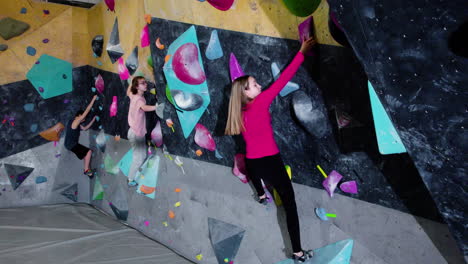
53	133
199	152
147	190
177	190
171	214
148	18
117	138
159	45
168	56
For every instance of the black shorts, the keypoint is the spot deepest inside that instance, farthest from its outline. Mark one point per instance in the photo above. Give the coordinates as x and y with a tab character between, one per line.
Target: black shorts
80	151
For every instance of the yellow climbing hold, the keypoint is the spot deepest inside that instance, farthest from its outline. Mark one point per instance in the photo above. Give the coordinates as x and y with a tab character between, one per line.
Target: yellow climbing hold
288	170
165	224
199	256
153	91
177	204
226	260
323	173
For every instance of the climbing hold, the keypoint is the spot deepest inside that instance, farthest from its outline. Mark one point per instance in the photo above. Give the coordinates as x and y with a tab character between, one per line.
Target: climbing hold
132	61
222	5
40	179
177	204
203	138
96	44
53	133
235	68
148	18
123	71
186	64
99	83
114	50
30	51
177	190
28	107
110	5
156	135
3	47
159	45
171	214
45	41
239	169
331	182
349	187
199	152
187	101
113	107
144	37
214	50
23	10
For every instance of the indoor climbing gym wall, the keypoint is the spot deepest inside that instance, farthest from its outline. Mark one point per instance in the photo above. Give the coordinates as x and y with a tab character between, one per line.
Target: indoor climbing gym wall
370	128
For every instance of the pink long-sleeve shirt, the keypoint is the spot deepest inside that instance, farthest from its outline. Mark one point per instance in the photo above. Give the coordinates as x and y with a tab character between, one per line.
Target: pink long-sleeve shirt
258	134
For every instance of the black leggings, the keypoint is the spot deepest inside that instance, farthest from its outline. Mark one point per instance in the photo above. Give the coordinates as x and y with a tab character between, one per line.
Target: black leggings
271	169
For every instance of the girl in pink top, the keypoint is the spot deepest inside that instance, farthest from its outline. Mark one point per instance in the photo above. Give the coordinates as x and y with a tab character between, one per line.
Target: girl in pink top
137	122
249	115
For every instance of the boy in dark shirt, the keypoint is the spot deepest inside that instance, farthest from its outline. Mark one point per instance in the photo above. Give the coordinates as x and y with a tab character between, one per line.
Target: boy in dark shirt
72	137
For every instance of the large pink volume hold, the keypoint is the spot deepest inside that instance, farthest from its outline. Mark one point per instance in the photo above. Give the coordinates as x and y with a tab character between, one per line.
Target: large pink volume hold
113	107
239	167
156	135
222	5
234	68
123	71
110	4
99	83
186	65
144	37
203	138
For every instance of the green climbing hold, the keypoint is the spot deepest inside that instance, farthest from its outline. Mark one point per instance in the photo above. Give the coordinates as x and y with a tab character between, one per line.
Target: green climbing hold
302	8
150	61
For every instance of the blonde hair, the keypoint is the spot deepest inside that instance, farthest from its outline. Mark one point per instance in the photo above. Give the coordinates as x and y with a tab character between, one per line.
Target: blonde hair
238	99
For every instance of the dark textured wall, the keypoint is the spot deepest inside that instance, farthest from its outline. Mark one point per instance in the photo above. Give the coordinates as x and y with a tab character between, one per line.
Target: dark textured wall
404	47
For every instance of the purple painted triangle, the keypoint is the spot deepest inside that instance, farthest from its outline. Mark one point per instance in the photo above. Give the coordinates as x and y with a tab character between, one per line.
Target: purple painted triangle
234	68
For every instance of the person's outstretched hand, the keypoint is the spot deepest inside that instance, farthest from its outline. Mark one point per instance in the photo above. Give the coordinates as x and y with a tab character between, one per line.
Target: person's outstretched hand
307	45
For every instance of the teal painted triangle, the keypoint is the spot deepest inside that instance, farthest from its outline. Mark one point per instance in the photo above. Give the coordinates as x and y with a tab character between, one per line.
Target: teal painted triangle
110	166
148	175
126	162
98	191
187	119
388	140
51	76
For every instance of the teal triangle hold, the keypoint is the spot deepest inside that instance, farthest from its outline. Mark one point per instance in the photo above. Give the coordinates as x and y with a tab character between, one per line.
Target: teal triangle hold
126	162
388	140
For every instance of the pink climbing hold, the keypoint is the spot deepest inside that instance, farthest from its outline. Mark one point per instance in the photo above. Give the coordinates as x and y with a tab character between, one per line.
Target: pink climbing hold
349	187
239	169
331	182
186	64
234	68
156	135
203	138
110	4
144	37
306	31
123	71
113	107
99	83
222	5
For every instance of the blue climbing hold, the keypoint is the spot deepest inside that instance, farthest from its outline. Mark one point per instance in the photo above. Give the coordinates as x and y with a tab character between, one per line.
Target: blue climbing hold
31	51
41	179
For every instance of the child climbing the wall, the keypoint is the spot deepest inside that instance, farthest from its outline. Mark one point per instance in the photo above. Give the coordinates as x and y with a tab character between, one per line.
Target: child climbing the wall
72	137
249	115
137	122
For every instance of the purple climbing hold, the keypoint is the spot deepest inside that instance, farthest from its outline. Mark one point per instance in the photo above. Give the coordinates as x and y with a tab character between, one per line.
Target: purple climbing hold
23	10
45	40
37	62
46	12
41	89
